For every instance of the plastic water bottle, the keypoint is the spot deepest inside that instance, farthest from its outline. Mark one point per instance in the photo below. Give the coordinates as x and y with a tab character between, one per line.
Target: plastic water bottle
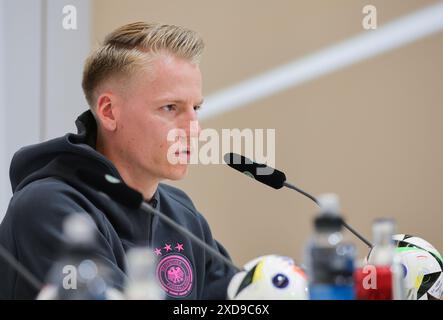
329	258
79	274
382	277
142	283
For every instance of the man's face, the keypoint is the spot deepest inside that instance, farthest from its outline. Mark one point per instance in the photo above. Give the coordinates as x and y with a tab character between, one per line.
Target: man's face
164	98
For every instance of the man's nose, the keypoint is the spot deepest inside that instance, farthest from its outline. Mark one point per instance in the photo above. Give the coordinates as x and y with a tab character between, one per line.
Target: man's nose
191	124
193	129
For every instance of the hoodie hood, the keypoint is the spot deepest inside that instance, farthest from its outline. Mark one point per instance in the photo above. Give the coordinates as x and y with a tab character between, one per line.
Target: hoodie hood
42	160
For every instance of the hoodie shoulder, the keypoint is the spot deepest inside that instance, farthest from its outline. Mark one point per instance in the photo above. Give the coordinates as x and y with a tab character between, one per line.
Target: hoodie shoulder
41	200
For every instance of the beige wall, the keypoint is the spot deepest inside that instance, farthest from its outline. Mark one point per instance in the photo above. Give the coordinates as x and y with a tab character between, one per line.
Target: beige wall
371	133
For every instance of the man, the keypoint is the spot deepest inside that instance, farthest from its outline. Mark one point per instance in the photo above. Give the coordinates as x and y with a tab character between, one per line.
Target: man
141	84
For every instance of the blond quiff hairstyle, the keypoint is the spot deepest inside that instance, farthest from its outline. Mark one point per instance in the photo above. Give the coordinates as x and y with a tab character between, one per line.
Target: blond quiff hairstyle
131	47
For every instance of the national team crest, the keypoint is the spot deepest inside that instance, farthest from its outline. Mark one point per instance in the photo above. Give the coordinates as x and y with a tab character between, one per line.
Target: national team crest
174	272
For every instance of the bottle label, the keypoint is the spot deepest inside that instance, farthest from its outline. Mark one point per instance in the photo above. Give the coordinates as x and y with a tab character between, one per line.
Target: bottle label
328	267
331	292
374	283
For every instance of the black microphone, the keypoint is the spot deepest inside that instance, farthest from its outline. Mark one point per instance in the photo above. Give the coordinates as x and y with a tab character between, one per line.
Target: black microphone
120	192
260	172
274	179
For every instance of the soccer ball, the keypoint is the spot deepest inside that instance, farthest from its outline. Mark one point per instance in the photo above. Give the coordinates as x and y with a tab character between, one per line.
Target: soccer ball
422	267
270	277
404	240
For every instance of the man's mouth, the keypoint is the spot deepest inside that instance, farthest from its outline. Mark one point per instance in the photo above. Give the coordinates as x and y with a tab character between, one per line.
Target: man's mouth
186	152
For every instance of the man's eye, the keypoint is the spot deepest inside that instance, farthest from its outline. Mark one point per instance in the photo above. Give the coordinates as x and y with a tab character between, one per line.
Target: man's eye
169	107
196	108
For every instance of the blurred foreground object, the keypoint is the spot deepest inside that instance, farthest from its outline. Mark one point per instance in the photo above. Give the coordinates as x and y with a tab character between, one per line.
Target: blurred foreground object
422	267
142	283
270	277
80	273
329	257
381	277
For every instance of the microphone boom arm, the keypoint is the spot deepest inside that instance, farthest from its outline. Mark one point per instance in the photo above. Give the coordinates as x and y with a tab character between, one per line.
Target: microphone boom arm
347	226
146	207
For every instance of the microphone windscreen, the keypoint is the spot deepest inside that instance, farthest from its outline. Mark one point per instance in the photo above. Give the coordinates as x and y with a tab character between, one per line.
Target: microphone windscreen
114	188
260	172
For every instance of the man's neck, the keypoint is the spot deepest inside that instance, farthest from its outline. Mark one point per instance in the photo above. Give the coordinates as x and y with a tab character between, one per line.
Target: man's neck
144	185
133	178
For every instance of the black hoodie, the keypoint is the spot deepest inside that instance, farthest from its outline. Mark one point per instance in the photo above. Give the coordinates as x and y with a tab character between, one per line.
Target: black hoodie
46	190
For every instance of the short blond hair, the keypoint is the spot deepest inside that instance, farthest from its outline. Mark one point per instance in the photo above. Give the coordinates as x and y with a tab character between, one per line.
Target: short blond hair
131	46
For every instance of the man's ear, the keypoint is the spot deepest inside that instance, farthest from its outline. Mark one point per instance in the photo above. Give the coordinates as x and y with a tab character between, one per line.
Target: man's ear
105	111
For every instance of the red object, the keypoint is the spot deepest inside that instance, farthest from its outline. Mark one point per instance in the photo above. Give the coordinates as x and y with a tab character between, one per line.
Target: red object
373	283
